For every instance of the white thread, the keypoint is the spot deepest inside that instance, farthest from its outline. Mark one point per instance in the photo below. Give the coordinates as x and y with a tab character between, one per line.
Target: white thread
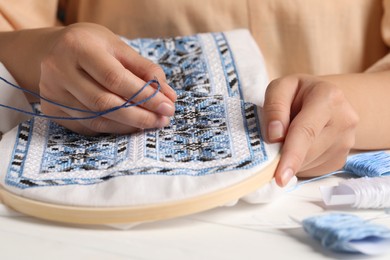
370	192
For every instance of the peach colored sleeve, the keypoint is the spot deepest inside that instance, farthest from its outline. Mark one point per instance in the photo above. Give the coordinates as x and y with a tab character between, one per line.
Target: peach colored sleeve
384	63
23	14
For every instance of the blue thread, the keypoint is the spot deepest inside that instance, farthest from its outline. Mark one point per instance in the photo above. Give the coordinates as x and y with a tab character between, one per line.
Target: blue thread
301	183
337	231
371	164
95	114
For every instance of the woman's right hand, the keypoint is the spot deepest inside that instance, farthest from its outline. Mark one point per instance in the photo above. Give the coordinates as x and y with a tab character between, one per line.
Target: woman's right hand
88	67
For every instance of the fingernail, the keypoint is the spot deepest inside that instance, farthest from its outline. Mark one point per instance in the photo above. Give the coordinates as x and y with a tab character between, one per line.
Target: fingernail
166	109
286	176
275	130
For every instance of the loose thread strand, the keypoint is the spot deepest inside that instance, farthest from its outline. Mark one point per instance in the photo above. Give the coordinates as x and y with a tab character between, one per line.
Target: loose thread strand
94	113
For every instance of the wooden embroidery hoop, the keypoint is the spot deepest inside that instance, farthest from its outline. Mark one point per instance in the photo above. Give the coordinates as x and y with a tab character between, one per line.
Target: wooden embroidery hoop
136	214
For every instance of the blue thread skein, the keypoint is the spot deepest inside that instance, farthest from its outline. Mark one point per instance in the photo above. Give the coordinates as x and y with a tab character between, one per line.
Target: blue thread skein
371	164
336	231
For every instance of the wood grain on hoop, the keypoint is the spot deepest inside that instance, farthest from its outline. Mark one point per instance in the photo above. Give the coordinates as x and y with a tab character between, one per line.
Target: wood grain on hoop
134	214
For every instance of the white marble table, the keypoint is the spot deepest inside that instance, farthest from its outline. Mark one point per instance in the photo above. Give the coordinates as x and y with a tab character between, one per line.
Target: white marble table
240	232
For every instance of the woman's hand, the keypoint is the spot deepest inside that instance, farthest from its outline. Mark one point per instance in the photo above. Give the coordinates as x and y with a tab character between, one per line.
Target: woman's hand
314	120
89	67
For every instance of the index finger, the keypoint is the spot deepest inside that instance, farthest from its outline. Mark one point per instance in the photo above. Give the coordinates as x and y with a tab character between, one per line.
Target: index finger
302	133
144	68
109	73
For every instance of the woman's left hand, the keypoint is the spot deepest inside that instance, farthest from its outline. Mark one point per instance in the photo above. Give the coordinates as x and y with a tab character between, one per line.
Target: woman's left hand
314	120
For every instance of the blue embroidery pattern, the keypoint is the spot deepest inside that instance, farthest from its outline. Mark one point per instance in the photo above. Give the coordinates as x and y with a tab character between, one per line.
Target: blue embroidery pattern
198	141
181	59
198	132
16	165
66	151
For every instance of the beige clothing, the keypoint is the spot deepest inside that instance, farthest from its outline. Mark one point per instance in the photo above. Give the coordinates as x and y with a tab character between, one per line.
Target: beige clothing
306	36
20	14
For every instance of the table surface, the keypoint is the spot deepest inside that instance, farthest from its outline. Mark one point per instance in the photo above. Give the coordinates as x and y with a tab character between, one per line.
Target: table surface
243	231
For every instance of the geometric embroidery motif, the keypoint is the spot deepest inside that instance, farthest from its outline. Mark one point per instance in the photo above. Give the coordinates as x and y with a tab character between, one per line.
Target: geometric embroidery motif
66	151
200	140
182	60
198	132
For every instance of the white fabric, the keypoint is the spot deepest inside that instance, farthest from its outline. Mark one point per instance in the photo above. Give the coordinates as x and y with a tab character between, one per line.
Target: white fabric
250	62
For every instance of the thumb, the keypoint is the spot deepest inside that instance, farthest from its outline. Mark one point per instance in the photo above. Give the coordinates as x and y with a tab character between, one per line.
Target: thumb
279	97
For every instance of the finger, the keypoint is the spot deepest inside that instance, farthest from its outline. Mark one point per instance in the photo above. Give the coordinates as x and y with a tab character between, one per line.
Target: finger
276	110
72	125
96	98
102	124
324	142
302	133
335	140
130	117
329	163
336	151
144	68
110	73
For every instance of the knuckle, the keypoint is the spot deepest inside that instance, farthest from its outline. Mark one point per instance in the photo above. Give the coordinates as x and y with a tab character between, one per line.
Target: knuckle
273	84
72	38
155	67
330	92
113	79
308	131
279	81
71	35
350	125
275	106
70	41
353	119
287	80
350	118
102	102
336	96
154	70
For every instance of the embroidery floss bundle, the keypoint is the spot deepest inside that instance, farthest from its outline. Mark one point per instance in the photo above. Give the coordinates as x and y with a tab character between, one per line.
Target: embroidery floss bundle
367	193
371	190
348	233
370	164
